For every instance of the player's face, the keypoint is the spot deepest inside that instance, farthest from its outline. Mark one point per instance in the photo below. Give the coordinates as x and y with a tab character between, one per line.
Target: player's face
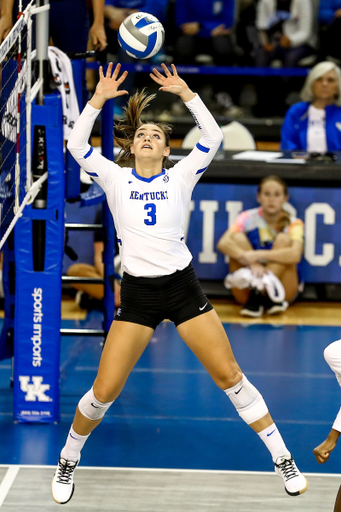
150	143
272	197
326	87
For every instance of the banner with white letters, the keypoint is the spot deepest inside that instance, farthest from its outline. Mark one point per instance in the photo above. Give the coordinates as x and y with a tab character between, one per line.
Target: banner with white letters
214	207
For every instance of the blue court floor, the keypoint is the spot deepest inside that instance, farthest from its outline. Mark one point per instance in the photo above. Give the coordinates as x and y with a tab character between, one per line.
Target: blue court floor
170	413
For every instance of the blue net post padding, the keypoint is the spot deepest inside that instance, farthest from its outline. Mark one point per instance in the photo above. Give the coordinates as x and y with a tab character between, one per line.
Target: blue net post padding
38	293
109	242
72	179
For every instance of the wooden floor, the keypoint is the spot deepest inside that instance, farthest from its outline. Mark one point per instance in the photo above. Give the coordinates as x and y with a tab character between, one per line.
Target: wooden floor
300	313
27	488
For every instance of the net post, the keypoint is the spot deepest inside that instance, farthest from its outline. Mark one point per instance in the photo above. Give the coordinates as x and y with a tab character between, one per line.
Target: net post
109	246
42	41
28	101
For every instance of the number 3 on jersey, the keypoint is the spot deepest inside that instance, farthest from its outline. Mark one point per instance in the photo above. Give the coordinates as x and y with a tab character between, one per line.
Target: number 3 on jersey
151	214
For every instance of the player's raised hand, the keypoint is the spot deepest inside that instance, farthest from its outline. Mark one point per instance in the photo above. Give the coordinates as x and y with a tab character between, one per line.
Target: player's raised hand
171	82
107	87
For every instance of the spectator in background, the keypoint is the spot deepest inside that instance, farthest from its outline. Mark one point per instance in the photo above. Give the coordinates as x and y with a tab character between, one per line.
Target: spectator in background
330	27
285	29
314	125
69	27
264	241
68	23
205	36
115	12
205	27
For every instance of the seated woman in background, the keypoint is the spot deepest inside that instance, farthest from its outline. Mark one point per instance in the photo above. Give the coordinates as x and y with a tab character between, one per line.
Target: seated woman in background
267	242
314	125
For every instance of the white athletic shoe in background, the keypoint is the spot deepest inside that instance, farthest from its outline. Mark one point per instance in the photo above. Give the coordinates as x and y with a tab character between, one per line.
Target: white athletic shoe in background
62	483
295	483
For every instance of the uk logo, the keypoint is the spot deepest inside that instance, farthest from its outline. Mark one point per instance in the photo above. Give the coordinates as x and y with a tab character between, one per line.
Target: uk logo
35	390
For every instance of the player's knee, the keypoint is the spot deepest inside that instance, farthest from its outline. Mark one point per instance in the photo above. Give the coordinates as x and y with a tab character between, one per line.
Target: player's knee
332	355
282	240
229	378
72	270
91	407
76	270
247	400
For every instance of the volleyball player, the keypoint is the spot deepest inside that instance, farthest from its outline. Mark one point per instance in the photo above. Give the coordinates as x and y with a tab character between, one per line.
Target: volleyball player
332	355
149	205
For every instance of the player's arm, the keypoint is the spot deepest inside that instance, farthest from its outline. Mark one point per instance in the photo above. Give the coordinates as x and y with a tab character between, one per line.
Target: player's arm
97	31
211	135
91	161
228	246
285	255
6	18
323	451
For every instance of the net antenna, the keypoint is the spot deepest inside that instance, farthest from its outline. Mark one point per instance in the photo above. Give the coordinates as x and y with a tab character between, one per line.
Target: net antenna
17	186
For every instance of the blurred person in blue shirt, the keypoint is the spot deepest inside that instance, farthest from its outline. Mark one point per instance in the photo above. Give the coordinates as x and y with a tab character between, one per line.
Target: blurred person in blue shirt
205	35
329	17
117	10
314	124
205	27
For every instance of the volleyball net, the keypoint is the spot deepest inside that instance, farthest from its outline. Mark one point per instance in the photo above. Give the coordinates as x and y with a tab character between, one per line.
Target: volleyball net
19	87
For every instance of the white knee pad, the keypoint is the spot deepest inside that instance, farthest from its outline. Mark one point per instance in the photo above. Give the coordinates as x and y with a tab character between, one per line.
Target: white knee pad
247	400
91	408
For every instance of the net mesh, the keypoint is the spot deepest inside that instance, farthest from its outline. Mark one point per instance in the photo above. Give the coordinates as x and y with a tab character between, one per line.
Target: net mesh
14	70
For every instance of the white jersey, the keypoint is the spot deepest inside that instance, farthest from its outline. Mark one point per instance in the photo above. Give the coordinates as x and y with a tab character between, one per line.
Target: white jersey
149	213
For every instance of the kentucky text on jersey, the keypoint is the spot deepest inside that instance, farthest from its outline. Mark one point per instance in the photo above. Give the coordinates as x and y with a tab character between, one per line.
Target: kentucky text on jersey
149	196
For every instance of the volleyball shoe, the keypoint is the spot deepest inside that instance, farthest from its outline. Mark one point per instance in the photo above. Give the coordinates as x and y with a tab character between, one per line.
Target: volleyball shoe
62	483
294	482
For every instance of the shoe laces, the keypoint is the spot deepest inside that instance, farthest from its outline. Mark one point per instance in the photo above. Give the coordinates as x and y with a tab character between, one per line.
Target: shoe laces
288	468
65	470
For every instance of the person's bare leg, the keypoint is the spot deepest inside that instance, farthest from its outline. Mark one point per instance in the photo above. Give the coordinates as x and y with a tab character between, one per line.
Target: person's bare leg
287	274
206	337
124	346
243	242
337	506
85	270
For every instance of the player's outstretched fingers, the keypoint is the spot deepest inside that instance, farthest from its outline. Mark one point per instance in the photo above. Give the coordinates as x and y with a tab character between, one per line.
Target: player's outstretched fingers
166	70
175	71
109	70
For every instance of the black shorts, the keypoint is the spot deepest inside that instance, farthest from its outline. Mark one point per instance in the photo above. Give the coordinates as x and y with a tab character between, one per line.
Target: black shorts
149	300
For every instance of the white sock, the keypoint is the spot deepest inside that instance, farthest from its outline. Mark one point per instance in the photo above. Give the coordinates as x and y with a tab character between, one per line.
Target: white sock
73	446
274	442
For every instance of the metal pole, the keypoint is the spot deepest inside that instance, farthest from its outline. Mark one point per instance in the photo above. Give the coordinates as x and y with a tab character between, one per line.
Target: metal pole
42	41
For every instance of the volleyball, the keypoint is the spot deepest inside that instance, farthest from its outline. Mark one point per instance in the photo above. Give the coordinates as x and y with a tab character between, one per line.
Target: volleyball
141	35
